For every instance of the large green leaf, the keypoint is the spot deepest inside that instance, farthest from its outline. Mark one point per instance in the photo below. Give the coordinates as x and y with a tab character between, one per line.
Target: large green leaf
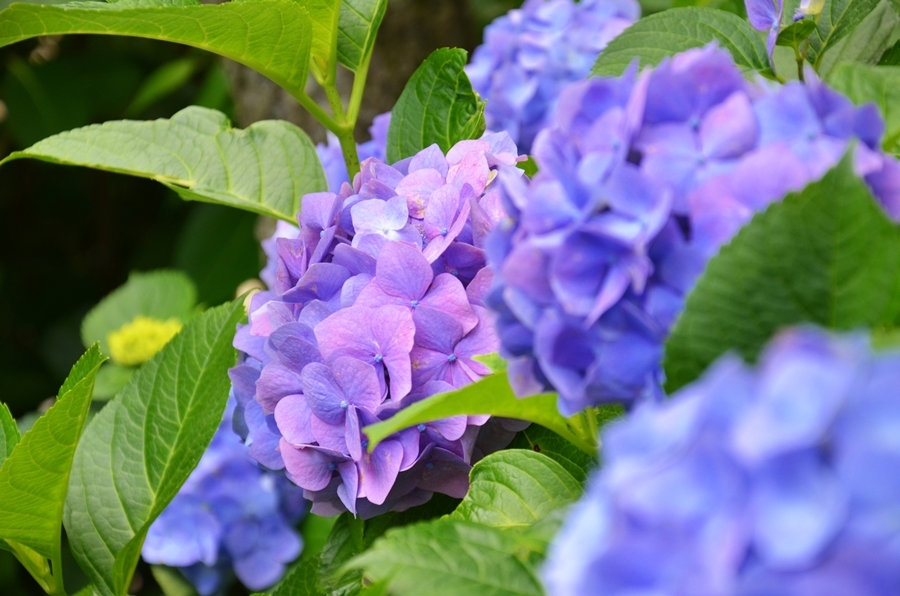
838	18
866	43
270	36
161	295
876	84
669	32
9	433
266	168
827	255
546	442
34	478
139	450
357	29
516	488
491	395
449	557
438	105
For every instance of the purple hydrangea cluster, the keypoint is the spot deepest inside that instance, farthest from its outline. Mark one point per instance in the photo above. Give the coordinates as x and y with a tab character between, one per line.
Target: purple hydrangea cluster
230	519
531	53
779	480
375	303
642	178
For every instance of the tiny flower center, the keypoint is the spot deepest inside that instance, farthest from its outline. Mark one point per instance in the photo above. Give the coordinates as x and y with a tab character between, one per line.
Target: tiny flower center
332	466
615	144
421	428
414	303
695	122
444	231
451	358
454	273
379	357
344	404
365	444
701	160
321	233
429	465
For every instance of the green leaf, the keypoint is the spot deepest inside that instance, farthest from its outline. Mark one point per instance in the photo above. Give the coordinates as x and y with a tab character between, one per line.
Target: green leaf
34	478
324	19
438	105
866	43
171	581
158	294
138	451
9	433
876	84
796	33
515	489
449	557
891	56
546	442
301	580
493	361
666	33
357	29
111	378
161	83
491	395
838	18
266	168
344	542
827	255
272	37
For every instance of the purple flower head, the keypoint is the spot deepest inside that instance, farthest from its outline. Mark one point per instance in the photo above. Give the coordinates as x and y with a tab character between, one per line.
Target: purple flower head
230	519
530	54
380	302
769	480
641	179
765	15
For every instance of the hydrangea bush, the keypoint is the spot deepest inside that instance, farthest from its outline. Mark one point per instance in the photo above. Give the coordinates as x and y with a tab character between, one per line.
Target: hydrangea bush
229	519
642	178
770	479
435	321
376	302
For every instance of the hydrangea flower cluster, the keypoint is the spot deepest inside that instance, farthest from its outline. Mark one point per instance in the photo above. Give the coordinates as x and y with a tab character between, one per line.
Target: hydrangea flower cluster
230	518
531	53
375	303
774	481
642	179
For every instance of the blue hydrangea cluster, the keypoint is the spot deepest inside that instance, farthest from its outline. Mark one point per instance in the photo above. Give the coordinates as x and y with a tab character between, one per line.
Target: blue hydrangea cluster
531	53
642	178
779	480
376	302
230	519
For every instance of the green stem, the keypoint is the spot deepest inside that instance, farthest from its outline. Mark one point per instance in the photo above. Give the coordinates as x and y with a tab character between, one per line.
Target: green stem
318	113
348	148
359	87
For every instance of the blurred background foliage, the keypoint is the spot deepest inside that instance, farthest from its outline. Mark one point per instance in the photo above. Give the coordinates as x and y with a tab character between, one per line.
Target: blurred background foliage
69	236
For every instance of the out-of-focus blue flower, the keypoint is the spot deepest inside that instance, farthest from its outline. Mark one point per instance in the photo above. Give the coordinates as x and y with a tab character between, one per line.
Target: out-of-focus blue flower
642	178
778	480
230	519
376	302
531	53
765	15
